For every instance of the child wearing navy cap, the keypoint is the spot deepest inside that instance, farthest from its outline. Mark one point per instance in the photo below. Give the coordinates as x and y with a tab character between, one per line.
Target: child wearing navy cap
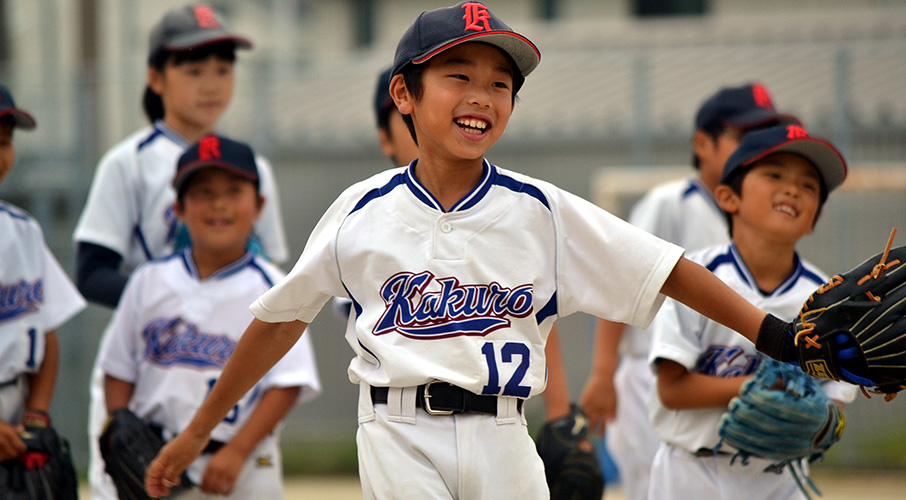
456	269
36	298
772	190
181	317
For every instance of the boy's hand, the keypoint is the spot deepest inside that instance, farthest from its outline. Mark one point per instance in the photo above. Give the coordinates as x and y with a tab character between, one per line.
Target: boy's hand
599	402
222	471
11	445
174	458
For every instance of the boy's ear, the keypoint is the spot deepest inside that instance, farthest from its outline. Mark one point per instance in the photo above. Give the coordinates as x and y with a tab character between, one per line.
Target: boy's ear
401	95
702	142
178	210
726	199
261	200
156	80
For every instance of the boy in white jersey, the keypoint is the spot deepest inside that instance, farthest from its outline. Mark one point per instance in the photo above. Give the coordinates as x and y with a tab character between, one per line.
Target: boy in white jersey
181	317
772	188
36	298
128	217
456	269
683	212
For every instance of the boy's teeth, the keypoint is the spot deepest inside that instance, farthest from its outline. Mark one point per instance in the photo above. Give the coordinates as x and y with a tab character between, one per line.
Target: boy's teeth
473	123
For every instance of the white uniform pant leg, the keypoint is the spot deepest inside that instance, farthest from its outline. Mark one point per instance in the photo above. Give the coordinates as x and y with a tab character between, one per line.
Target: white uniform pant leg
631	440
677	474
466	457
261	475
102	487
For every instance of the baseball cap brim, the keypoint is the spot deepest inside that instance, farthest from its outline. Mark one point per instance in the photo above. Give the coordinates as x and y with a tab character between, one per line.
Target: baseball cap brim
760	117
192	41
21	119
823	155
186	171
525	54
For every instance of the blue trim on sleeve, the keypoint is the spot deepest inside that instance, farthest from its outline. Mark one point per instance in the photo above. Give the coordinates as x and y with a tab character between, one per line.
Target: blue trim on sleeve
395	181
548	310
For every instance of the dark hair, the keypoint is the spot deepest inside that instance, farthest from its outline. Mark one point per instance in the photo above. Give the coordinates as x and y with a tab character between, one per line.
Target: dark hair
714	131
412	76
151	102
735	185
8	120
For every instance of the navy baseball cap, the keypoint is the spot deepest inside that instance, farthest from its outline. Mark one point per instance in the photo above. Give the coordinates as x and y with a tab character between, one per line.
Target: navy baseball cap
191	27
748	106
214	151
435	31
21	119
383	103
788	139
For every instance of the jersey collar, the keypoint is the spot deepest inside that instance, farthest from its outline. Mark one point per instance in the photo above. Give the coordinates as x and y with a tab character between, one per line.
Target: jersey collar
223	272
171	134
697	187
468	201
746	275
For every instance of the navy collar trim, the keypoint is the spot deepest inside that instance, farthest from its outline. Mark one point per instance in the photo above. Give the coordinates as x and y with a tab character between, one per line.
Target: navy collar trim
468	201
223	272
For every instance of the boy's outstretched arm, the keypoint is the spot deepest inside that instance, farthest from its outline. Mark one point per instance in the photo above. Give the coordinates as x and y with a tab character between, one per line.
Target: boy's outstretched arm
699	289
224	467
261	346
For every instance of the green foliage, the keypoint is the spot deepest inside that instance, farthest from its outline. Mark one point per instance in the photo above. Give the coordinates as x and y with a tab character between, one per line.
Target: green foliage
320	458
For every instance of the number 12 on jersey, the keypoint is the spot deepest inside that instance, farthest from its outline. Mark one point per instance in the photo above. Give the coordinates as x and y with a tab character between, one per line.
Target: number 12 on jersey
507	364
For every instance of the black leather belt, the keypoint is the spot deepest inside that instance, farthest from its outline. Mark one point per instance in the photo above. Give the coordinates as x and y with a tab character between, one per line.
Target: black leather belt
441	398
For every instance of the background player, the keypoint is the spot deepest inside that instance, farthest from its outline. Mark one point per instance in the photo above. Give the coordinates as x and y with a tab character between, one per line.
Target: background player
685	213
36	297
181	317
772	188
450	266
128	217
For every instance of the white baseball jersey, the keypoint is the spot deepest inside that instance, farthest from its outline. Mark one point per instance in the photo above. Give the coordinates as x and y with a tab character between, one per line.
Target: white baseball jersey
36	295
684	213
172	334
130	204
468	296
704	346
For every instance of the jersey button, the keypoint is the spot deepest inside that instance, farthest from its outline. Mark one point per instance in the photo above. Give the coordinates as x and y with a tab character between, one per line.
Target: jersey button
446	227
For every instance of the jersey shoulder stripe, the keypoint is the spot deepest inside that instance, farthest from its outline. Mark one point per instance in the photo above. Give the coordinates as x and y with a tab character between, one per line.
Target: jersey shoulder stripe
395	181
521	187
162	130
15	212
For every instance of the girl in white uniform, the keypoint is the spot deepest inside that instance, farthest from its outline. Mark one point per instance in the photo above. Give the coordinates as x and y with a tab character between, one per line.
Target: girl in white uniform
773	187
128	218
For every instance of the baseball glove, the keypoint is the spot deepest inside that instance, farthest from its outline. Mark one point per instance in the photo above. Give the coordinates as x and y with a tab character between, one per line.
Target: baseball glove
570	463
781	415
852	328
44	472
128	446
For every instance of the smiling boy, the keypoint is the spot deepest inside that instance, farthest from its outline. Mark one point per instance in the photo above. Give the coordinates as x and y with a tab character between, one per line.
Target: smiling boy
180	318
772	190
456	269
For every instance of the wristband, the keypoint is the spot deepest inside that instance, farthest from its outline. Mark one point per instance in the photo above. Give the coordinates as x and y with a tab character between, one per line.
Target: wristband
775	340
36	418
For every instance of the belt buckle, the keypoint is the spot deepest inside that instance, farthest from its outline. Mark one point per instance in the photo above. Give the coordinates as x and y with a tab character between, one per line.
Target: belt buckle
426	398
